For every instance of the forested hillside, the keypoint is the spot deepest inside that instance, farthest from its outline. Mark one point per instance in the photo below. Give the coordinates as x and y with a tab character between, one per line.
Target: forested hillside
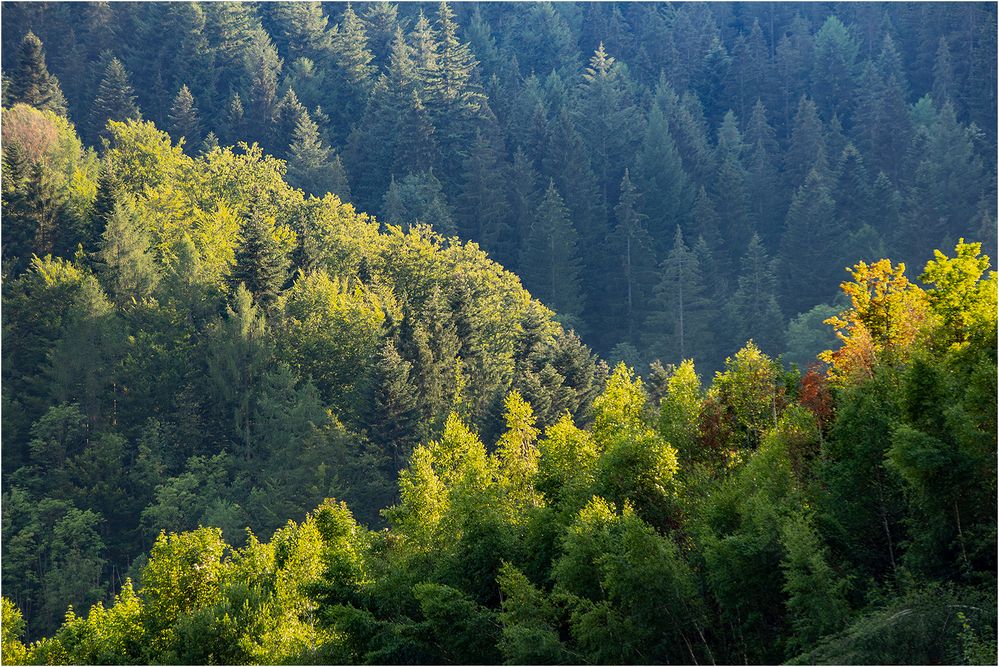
300	303
647	169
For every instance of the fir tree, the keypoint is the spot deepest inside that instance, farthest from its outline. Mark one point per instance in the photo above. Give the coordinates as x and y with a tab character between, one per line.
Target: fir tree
549	260
680	325
483	202
309	164
234	127
807	143
115	100
261	265
811	247
630	282
30	81
183	120
393	413
659	173
755	313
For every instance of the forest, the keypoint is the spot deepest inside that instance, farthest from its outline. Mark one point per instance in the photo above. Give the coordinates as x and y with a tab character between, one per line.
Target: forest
480	333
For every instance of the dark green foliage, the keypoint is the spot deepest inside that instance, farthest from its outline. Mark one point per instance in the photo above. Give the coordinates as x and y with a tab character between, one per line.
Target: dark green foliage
261	265
115	100
197	342
30	81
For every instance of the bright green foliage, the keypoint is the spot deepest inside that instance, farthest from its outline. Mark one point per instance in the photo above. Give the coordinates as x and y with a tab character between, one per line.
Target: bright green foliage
963	295
680	412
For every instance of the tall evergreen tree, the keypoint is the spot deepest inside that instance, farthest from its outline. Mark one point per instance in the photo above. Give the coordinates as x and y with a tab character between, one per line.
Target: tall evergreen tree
834	67
549	261
607	118
30	80
811	247
807	143
309	163
667	193
183	120
115	100
632	265
392	413
261	264
483	203
680	325
755	313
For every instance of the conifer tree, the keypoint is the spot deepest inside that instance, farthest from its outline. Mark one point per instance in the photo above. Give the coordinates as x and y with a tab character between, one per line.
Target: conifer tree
680	325
549	260
234	127
183	119
299	29
632	263
730	191
484	204
126	264
607	117
288	115
667	195
834	68
263	69
811	247
381	22
807	143
522	193
309	164
755	312
354	71
392	412
261	265
944	84
852	190
30	80
115	100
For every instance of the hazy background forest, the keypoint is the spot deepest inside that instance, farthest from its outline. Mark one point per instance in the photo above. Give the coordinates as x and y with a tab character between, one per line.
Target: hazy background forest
259	255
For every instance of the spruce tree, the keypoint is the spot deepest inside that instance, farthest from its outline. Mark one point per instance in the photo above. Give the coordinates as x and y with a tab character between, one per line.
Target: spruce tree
807	143
309	164
234	125
287	117
392	414
680	324
263	69
483	202
115	100
755	313
30	81
549	260
834	67
261	264
731	194
812	247
183	120
944	83
632	264
381	22
354	72
667	193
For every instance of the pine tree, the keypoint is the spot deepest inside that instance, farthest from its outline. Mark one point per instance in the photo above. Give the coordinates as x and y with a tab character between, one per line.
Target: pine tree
183	120
680	325
549	260
755	313
261	265
30	81
115	100
126	264
659	173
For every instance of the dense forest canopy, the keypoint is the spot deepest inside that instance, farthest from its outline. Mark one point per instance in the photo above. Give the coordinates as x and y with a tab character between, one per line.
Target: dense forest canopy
300	304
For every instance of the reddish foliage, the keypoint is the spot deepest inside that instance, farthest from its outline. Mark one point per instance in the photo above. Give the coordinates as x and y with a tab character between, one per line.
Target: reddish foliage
813	393
716	428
